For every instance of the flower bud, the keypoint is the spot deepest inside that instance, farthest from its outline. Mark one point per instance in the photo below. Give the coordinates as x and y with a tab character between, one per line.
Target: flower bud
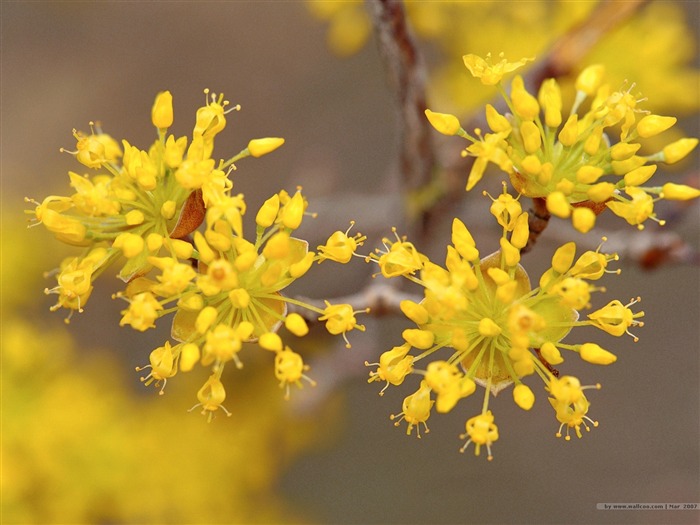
134	217
523	396
558	205
601	192
260	147
268	212
569	133
295	323
162	112
588	174
583	219
524	104
593	353
488	328
551	354
463	241
563	258
271	341
532	140
415	312
623	150
497	122
653	125
639	176
550	99
421	339
189	356
168	209
679	192
521	231
293	212
205	319
510	253
678	150
590	78
443	122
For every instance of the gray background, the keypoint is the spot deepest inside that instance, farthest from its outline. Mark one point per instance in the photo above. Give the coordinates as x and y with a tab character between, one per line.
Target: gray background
64	64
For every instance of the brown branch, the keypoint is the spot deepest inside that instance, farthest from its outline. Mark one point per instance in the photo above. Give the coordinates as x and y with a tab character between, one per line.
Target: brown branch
651	249
406	72
537	222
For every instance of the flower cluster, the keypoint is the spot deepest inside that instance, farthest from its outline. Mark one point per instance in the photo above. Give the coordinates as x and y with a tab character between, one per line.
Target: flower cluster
497	327
581	164
144	209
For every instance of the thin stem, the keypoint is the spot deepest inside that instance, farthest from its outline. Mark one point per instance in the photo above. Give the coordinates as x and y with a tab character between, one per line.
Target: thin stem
406	72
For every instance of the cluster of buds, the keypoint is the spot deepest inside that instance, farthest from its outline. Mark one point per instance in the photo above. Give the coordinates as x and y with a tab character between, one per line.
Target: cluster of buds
169	217
571	160
495	328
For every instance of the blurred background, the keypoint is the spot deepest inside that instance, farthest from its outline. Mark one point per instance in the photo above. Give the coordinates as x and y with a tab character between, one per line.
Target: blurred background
83	441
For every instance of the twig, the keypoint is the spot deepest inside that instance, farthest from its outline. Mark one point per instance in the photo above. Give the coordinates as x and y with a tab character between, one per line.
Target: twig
406	72
380	297
537	222
652	248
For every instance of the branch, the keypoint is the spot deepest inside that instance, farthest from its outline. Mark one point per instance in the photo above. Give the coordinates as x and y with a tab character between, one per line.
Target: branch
537	222
406	72
340	364
381	298
651	249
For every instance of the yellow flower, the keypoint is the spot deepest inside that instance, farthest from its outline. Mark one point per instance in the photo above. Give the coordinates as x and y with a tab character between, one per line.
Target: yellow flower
393	367
339	247
211	118
490	148
75	280
497	328
481	430
143	310
340	318
635	210
616	318
94	150
416	410
162	112
491	73
400	257
211	396
569	164
349	25
570	404
449	383
162	364
154	193
169	211
289	369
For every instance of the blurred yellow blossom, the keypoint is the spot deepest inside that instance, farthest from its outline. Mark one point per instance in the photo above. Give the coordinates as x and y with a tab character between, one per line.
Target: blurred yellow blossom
349	25
527	29
79	445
